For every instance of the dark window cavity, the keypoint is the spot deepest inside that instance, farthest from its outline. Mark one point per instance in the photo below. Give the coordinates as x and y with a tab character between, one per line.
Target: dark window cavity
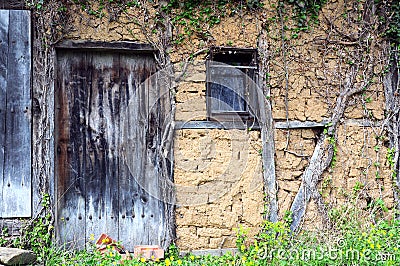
231	84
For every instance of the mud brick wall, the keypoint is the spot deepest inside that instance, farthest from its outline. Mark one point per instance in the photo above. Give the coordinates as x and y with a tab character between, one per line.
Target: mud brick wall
359	163
218	173
219	186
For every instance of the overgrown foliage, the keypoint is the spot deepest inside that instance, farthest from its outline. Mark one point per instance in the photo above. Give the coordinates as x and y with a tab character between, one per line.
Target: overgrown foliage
35	234
305	12
390	13
355	241
194	17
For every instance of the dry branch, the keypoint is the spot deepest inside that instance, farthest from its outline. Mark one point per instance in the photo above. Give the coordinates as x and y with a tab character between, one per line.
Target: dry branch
392	89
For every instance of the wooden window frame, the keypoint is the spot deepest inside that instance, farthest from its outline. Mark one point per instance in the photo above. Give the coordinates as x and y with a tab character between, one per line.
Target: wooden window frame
249	64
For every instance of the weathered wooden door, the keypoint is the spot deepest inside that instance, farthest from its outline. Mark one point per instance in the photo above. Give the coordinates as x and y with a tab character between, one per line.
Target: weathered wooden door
15	125
102	100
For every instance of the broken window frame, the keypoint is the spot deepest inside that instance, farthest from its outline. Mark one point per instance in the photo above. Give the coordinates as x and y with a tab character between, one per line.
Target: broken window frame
245	60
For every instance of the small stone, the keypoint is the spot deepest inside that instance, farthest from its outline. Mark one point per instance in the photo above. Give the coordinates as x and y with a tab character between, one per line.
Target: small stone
16	256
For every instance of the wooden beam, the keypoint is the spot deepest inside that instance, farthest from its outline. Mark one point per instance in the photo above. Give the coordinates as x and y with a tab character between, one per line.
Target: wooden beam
16	196
214	125
240	125
99	45
310	124
299	124
267	134
229	66
12	4
278	125
4	23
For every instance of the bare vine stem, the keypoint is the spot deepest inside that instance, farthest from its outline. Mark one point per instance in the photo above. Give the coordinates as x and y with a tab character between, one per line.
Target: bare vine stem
285	68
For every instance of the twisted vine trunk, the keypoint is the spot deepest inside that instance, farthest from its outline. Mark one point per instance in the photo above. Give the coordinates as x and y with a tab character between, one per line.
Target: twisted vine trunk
165	154
324	150
43	54
392	90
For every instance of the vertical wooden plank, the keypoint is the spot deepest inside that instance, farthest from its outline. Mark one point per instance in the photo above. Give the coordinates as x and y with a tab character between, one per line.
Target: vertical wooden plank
139	191
266	122
102	181
4	22
69	147
16	198
61	137
91	154
111	133
155	214
132	118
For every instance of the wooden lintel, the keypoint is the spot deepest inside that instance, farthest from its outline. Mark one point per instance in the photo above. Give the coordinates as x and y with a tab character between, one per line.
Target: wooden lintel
13	4
100	45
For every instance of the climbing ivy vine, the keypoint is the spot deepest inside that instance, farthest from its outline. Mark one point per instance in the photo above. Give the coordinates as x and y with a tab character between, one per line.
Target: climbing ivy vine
305	12
195	17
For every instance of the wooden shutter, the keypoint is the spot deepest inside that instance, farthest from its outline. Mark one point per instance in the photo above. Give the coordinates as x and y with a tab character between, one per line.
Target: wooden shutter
15	127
